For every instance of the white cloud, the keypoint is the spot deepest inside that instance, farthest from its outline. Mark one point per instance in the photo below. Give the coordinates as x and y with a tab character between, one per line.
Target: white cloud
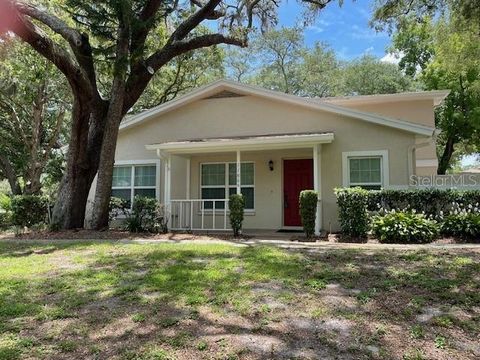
366	33
316	29
392	58
319	26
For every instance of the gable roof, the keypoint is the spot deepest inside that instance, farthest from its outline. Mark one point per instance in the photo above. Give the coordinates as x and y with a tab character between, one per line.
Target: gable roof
243	89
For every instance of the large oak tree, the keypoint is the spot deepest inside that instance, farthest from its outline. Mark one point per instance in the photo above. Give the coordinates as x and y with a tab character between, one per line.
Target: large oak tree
440	45
131	40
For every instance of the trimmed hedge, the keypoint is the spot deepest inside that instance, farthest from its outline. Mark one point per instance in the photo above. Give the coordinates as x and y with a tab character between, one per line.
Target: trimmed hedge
236	205
352	207
431	202
29	210
456	212
308	211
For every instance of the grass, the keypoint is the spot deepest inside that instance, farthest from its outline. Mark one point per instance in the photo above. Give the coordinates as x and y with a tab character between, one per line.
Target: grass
181	301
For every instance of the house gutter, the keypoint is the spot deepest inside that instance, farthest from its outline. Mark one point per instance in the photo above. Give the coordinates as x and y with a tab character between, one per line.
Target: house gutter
412	148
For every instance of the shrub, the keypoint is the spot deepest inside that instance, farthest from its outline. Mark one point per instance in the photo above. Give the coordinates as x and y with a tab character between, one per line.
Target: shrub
431	202
29	210
5	202
5	212
464	225
147	215
5	220
308	211
404	227
237	208
117	207
352	207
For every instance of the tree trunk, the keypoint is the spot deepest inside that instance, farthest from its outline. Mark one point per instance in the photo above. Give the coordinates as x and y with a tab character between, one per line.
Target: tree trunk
105	174
107	158
9	173
82	164
444	162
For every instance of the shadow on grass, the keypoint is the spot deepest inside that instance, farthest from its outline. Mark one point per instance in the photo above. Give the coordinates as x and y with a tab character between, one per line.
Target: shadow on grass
133	301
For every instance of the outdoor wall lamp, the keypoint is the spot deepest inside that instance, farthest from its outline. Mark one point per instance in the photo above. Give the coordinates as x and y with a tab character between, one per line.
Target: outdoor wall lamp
270	165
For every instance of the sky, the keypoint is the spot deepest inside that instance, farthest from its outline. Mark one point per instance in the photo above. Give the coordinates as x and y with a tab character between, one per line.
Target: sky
344	28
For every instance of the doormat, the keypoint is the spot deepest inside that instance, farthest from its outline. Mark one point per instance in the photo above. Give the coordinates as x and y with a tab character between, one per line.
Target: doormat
293	231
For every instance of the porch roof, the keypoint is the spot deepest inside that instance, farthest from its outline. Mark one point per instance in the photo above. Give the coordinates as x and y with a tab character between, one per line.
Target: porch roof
246	143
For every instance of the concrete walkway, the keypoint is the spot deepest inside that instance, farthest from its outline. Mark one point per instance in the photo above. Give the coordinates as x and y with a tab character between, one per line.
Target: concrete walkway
281	243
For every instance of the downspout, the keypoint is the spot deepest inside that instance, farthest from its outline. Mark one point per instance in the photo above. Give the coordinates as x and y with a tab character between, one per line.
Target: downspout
411	149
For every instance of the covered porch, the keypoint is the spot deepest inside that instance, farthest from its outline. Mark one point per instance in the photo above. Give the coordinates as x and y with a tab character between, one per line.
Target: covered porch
199	175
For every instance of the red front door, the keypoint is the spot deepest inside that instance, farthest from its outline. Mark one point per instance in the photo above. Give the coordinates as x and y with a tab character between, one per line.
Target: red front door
297	176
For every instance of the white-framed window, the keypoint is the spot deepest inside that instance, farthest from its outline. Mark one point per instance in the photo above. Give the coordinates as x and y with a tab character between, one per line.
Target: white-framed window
366	169
130	180
218	181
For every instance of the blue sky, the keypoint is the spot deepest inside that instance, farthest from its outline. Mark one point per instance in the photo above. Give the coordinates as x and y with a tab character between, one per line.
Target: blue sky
344	28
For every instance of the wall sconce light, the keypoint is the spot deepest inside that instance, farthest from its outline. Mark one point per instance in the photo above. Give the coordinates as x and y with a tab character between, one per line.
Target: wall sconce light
270	165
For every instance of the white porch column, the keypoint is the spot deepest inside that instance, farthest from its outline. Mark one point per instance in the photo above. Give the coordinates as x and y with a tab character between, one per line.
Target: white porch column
239	174
317	186
168	179
187	191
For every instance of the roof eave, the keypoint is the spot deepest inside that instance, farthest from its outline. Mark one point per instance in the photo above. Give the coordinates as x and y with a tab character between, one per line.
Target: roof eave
260	143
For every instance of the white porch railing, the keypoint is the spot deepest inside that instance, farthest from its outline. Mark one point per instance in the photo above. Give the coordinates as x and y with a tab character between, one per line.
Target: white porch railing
199	214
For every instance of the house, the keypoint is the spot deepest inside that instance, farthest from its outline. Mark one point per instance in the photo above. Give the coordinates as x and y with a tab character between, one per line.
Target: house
227	137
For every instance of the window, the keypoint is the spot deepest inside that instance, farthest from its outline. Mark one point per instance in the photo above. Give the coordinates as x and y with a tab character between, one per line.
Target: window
368	170
132	180
218	181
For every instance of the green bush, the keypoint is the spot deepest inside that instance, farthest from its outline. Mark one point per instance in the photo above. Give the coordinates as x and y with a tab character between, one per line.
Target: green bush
236	205
147	215
404	227
5	212
5	220
117	207
465	225
29	210
431	202
5	202
353	215
308	211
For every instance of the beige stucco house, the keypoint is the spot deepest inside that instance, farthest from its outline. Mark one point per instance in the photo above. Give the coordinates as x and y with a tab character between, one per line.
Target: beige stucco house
227	137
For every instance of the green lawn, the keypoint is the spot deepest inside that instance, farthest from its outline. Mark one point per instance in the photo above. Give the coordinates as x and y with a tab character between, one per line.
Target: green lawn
187	301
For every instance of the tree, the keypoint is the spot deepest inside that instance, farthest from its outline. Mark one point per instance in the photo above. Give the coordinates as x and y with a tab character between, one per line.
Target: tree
33	107
238	64
368	75
392	14
284	63
444	54
280	51
181	75
131	40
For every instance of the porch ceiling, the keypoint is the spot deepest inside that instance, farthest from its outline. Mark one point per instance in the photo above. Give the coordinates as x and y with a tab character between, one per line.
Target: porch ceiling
245	143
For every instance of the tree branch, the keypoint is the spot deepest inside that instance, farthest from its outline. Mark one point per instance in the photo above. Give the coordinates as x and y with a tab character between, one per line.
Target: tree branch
79	42
139	34
193	21
214	15
56	24
46	47
142	74
10	174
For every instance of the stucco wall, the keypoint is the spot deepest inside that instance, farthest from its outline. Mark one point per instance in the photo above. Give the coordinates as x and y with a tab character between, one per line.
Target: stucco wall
416	111
255	116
